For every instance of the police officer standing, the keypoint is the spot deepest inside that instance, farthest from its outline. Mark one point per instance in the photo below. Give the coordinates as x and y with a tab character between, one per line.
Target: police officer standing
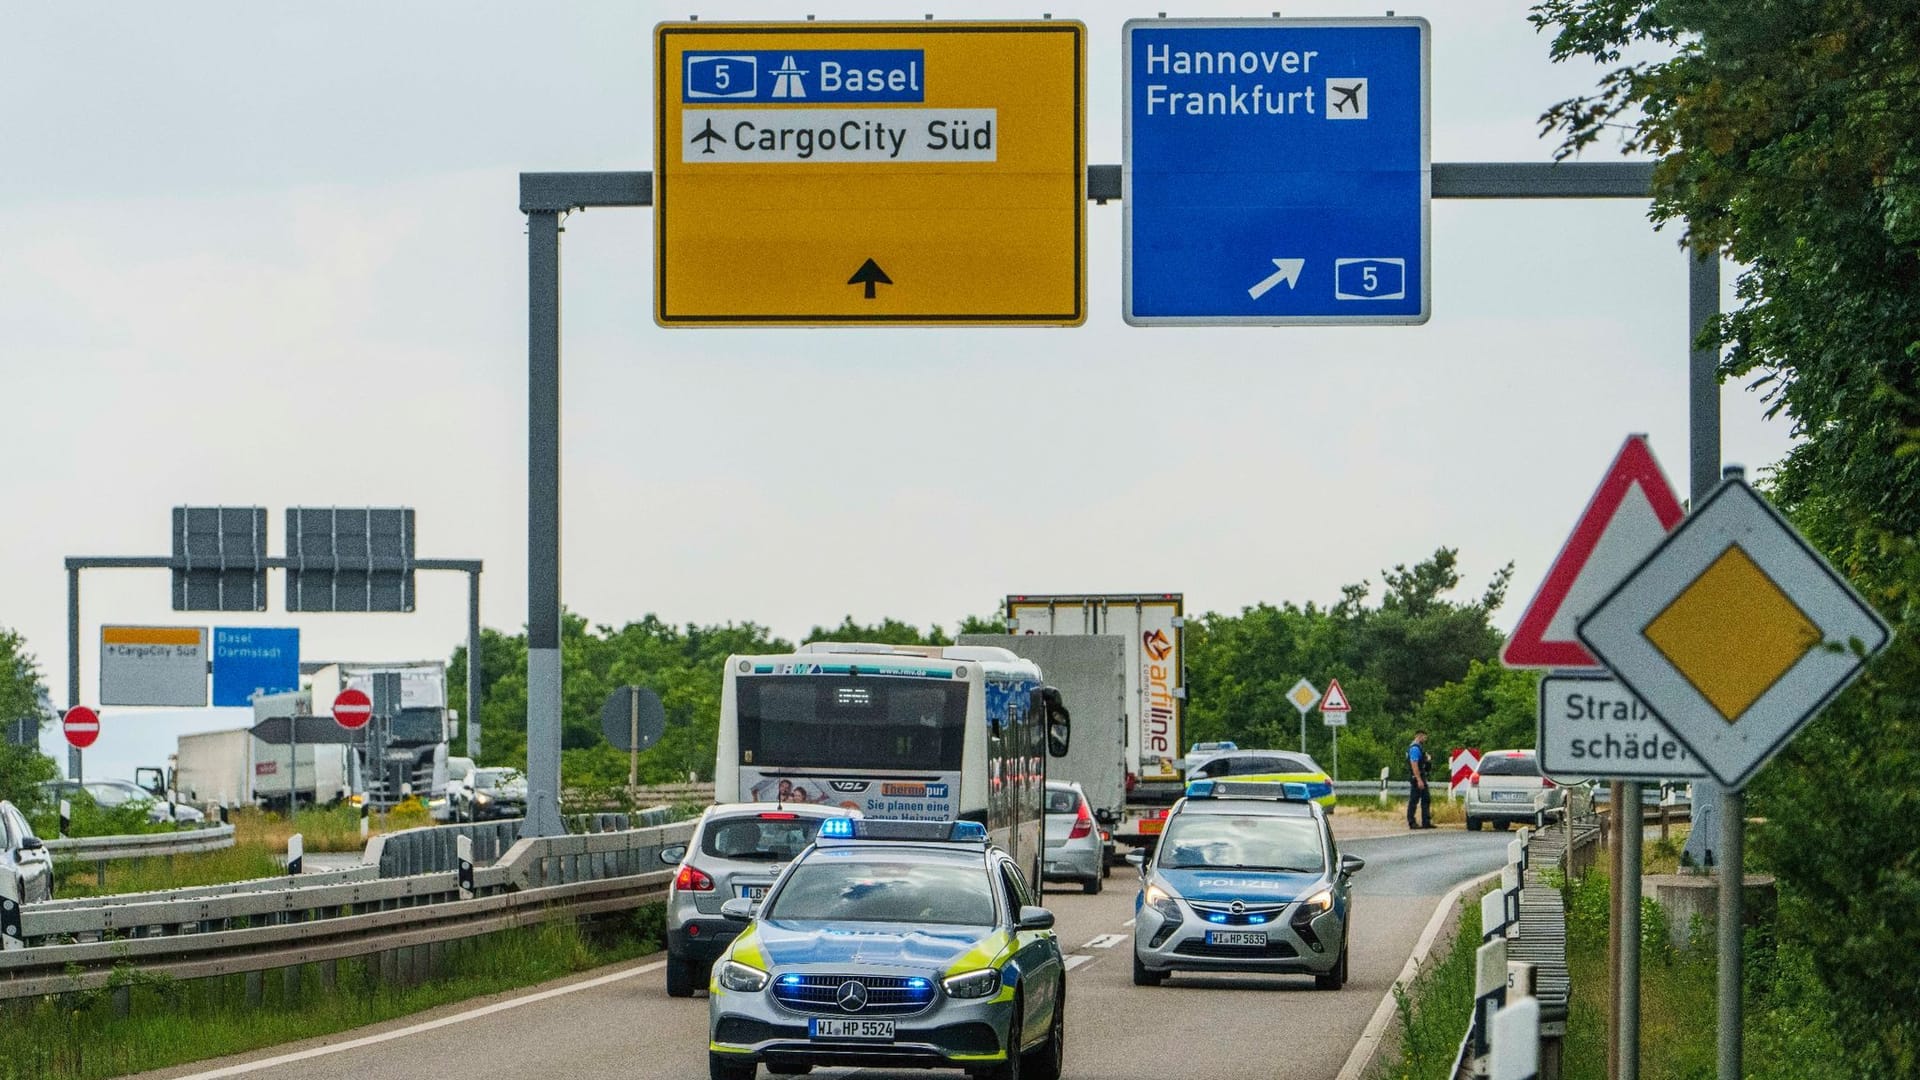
1418	794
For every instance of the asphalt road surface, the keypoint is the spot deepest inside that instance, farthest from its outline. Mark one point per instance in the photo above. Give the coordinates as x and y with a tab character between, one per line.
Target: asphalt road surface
619	1022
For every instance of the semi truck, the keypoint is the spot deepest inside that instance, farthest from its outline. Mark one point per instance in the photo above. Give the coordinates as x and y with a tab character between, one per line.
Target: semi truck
1154	693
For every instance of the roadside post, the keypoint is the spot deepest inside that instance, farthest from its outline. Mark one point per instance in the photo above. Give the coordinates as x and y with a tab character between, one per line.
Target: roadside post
1516	1042
296	850
1736	633
11	937
1385	771
1489	991
463	851
633	719
1334	708
66	819
1304	697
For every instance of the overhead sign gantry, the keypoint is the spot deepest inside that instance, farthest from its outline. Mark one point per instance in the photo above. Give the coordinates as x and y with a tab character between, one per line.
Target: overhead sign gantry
825	174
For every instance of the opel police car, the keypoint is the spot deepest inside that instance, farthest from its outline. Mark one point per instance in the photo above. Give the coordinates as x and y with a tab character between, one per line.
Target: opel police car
1245	878
891	944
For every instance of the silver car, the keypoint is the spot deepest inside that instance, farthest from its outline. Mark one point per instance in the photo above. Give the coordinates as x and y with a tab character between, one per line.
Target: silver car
23	855
1074	848
736	851
1508	788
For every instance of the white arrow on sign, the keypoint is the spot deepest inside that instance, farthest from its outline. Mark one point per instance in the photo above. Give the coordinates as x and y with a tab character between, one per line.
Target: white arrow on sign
1289	272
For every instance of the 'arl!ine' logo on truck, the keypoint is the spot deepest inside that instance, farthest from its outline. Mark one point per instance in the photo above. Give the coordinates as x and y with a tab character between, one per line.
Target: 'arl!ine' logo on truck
1159	691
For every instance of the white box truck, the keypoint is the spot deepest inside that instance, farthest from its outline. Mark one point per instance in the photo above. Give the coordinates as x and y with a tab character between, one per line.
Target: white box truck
1153	625
232	768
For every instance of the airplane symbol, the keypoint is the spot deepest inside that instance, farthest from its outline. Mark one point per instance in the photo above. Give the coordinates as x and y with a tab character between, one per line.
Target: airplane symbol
1349	95
708	137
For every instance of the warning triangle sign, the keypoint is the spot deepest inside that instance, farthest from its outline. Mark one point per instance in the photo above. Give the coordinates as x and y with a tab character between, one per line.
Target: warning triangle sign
1625	520
1335	699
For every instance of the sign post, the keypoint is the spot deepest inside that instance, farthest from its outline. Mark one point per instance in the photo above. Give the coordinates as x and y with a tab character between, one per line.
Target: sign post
1276	171
81	726
633	719
1735	633
1304	696
1334	708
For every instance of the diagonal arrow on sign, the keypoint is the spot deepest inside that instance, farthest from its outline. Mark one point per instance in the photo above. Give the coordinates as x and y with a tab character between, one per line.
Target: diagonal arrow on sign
1289	272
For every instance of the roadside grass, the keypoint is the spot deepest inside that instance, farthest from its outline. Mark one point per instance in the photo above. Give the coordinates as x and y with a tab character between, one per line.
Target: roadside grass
1445	811
1434	1009
79	1037
79	878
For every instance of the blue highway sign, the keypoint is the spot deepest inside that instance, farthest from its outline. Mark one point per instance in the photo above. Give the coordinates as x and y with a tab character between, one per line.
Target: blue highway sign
250	660
1276	171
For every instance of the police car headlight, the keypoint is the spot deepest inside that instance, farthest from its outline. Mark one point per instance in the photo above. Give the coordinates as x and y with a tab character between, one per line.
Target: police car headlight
1162	901
736	976
1320	901
973	984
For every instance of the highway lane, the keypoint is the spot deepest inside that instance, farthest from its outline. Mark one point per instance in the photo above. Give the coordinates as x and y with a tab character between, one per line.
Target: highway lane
620	1023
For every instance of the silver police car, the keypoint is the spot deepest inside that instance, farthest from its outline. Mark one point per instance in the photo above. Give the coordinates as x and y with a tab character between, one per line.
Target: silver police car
892	944
1245	878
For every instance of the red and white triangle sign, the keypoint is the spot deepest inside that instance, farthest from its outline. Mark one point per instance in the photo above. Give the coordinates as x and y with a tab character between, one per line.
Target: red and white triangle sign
1628	516
1335	699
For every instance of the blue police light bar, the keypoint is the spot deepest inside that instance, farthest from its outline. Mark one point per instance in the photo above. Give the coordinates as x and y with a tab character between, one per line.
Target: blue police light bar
962	832
1248	789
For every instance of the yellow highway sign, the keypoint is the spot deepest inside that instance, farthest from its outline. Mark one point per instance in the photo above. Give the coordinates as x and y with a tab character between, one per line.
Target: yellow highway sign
827	174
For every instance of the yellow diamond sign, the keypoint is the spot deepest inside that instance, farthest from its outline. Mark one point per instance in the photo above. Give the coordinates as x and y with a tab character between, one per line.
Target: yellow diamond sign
833	174
1303	695
1734	632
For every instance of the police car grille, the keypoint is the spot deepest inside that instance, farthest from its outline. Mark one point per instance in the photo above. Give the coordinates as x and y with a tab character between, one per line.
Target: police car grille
887	995
1250	915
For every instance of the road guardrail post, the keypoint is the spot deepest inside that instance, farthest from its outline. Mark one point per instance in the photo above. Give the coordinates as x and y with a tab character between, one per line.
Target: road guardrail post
463	851
1489	992
1516	1042
10	899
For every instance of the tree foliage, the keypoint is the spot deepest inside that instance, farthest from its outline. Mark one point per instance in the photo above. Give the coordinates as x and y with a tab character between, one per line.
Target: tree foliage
1390	658
21	766
1788	133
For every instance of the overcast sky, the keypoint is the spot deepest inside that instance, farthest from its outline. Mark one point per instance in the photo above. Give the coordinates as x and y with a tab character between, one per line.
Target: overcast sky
269	254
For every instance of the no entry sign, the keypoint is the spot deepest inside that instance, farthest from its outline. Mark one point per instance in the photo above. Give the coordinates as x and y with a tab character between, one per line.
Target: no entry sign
352	709
82	726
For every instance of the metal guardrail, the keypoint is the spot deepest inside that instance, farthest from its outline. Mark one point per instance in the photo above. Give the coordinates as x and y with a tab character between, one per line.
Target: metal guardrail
73	948
142	845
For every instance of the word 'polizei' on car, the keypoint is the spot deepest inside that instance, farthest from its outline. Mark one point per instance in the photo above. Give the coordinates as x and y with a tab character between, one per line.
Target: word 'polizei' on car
1246	878
892	944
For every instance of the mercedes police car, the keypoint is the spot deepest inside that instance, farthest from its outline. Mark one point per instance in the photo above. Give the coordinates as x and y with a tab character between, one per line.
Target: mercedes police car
1245	878
892	943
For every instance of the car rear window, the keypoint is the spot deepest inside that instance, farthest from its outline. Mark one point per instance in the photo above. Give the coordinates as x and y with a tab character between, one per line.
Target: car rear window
1502	765
771	839
1062	802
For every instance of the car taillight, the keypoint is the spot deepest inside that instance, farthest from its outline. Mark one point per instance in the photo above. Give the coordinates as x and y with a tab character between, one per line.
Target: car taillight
1476	779
775	815
1082	824
1544	782
691	879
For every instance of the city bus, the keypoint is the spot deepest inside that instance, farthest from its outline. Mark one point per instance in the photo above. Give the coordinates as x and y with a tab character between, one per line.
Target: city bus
922	733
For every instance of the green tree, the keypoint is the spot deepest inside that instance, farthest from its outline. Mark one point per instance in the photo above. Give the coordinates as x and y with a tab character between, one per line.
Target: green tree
1788	138
22	766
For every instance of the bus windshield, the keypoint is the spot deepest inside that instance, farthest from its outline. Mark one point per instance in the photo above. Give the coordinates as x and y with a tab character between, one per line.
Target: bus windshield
851	722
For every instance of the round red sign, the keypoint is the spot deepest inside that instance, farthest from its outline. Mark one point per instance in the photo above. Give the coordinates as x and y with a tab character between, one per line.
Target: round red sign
82	726
352	709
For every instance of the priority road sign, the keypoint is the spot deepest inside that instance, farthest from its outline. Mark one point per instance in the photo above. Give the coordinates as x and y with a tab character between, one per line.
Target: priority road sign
81	726
1276	171
1627	517
1303	695
352	708
1735	632
837	174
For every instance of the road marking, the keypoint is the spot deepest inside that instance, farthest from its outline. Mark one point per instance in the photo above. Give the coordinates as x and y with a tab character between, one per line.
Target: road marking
1129	922
1105	941
430	1025
1076	960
